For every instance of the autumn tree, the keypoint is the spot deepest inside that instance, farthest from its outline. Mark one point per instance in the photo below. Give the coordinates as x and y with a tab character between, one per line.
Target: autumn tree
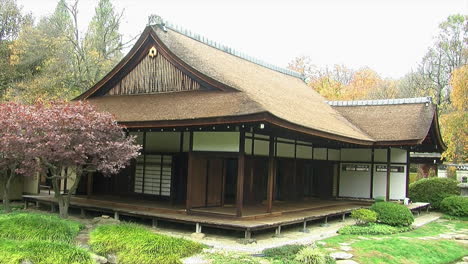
76	139
455	123
17	137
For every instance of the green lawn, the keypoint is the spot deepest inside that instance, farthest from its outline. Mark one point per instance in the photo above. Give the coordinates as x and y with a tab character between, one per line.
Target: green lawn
419	246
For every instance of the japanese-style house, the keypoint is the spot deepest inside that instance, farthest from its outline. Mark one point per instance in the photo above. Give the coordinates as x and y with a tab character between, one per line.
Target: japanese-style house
227	136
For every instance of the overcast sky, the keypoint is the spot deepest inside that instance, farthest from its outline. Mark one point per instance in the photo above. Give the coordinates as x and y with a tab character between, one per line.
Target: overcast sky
388	36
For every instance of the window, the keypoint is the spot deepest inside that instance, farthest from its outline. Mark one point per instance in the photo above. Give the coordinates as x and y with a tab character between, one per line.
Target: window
153	174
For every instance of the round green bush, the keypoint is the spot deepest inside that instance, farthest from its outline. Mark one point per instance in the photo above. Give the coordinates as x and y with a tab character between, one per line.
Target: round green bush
393	214
433	190
364	216
455	206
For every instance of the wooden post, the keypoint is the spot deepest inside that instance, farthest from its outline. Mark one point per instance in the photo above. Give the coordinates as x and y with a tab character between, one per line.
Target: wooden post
372	174
271	174
240	175
247	234
387	195
407	171
188	202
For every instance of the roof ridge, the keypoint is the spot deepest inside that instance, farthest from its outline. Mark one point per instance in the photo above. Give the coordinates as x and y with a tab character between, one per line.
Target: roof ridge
219	46
397	101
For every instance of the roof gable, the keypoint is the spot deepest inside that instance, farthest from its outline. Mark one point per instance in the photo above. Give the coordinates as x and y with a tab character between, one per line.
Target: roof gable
151	68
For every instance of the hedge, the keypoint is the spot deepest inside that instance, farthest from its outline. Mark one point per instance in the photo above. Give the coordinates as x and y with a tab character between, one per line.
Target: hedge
433	190
455	206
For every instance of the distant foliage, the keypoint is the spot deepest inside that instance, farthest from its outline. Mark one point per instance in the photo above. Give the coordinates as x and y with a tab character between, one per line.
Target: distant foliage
393	214
433	190
455	206
364	216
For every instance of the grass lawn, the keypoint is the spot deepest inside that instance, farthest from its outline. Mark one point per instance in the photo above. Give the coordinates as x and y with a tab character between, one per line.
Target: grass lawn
419	246
135	244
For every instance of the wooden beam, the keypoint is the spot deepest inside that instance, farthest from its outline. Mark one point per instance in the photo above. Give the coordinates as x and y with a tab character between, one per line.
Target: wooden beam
387	193
271	174
240	175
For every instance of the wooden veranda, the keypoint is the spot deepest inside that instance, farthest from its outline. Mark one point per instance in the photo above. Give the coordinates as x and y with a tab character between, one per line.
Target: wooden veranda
255	219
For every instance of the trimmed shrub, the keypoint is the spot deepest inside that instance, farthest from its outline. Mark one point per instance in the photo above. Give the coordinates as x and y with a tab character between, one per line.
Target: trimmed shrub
310	255
364	216
372	229
393	214
433	190
455	206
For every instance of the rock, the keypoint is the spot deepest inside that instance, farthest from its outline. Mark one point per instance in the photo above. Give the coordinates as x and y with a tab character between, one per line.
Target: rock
112	259
98	259
244	241
321	243
346	248
344	244
461	237
198	235
330	249
103	220
341	255
195	260
26	261
347	261
465	259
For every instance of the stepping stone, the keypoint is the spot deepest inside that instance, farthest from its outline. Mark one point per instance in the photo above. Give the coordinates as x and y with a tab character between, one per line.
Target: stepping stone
341	255
344	244
461	237
321	243
346	248
347	261
330	249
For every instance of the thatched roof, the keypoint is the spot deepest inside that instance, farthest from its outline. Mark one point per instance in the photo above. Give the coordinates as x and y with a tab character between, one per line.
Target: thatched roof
176	106
246	88
391	122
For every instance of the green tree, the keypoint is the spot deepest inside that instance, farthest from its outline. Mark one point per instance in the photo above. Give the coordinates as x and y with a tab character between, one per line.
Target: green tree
57	62
103	42
449	52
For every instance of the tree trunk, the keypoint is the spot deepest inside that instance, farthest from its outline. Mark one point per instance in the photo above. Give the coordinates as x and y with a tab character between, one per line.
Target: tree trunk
6	191
63	200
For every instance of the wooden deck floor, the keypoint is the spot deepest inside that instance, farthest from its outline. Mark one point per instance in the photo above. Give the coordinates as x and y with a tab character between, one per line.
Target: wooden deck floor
285	213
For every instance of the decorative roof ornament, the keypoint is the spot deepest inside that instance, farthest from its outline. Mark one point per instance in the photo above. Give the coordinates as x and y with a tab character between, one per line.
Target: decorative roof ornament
155	20
153	52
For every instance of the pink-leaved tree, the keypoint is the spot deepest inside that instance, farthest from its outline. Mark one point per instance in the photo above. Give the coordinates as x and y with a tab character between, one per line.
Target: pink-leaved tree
17	137
75	139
